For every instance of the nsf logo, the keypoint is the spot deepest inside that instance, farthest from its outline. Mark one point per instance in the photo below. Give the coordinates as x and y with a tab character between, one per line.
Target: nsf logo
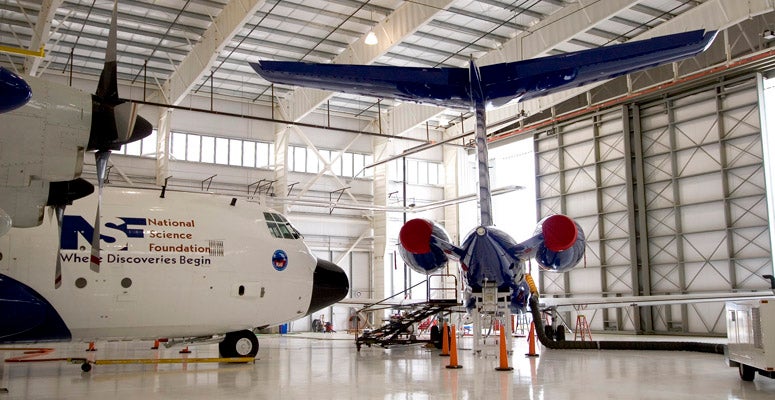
279	260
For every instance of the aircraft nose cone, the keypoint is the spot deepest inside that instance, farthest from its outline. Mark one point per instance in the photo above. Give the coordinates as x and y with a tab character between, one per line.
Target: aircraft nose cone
330	284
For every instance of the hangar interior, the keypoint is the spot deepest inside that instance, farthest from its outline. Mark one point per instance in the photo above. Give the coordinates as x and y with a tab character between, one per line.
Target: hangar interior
666	170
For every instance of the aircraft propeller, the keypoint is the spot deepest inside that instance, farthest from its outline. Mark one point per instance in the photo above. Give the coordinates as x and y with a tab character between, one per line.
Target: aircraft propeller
60	195
114	123
60	212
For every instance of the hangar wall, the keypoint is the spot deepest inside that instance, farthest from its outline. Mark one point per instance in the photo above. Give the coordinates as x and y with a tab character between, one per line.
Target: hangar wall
670	192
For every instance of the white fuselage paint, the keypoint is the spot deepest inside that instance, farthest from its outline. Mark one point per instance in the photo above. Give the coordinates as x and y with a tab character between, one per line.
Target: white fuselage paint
201	267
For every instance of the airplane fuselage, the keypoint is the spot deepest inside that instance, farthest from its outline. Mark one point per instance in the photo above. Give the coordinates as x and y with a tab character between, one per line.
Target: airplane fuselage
187	265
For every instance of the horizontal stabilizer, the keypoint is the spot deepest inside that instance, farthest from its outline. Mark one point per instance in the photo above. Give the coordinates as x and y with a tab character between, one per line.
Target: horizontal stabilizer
500	83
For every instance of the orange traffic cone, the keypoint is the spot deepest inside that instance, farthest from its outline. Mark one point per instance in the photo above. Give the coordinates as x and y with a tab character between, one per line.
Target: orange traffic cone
91	347
531	339
185	351
453	356
504	357
445	341
155	345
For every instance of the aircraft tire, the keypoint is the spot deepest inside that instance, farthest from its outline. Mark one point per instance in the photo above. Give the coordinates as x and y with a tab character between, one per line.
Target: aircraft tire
436	336
549	331
559	335
239	344
747	372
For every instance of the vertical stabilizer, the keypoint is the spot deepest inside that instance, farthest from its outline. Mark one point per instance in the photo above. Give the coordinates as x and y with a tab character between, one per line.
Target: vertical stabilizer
477	95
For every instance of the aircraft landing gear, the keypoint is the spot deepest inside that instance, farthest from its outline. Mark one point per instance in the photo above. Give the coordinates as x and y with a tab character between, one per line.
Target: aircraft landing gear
85	367
239	344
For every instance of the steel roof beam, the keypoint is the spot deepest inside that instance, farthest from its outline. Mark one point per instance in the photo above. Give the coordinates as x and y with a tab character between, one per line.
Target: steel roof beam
223	28
710	15
466	30
516	9
41	33
404	21
536	41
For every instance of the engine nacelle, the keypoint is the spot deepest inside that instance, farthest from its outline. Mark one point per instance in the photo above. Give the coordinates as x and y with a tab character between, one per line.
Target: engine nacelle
563	243
418	247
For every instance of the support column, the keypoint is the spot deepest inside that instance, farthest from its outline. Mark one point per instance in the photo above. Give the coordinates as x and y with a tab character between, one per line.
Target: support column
281	164
379	223
163	146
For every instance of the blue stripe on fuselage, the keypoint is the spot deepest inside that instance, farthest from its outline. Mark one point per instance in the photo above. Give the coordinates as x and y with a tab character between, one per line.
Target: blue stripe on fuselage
27	316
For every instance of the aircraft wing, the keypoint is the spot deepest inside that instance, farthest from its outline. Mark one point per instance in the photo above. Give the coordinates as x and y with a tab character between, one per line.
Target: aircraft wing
541	76
501	83
446	87
569	303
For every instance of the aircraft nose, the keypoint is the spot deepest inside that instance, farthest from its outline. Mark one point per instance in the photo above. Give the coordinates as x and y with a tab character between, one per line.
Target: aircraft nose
330	284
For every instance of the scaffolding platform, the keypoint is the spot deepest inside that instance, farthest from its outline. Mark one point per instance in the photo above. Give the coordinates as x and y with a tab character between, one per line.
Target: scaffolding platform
409	317
399	330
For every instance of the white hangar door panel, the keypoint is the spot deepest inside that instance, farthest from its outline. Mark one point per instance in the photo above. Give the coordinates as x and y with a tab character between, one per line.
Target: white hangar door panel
684	212
581	171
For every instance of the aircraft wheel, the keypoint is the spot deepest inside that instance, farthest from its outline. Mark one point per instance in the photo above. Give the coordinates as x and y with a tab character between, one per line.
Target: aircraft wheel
549	331
560	334
436	336
747	372
239	344
85	367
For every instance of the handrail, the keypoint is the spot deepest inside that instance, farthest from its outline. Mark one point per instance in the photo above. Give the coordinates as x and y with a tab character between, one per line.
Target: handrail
428	289
443	289
388	298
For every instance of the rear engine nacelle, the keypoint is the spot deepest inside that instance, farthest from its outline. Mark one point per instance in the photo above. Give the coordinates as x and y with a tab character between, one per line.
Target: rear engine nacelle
563	243
419	245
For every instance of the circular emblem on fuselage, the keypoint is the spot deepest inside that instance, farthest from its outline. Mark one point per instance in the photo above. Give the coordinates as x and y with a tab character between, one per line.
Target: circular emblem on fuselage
279	260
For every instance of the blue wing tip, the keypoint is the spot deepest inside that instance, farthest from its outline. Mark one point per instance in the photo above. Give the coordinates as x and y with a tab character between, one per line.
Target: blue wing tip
15	91
708	39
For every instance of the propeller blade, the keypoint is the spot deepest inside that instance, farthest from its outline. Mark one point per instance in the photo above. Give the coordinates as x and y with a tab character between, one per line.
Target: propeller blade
60	213
94	261
107	89
101	157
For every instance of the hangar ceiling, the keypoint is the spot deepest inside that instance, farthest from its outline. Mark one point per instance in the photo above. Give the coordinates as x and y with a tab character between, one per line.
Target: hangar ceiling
198	46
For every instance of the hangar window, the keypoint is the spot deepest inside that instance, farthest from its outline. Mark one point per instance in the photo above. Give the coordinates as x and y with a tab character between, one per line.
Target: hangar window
418	172
251	154
347	164
279	227
207	149
142	148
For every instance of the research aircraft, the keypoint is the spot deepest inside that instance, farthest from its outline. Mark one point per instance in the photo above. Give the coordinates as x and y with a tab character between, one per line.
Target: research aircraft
492	263
188	266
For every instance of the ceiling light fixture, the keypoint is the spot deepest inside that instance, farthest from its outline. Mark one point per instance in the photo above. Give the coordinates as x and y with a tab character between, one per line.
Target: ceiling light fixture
371	37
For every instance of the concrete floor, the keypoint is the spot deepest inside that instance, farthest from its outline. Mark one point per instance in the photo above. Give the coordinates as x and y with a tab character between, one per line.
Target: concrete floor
327	366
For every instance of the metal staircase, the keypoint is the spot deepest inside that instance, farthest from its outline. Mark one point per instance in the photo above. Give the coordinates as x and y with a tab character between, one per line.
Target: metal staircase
400	328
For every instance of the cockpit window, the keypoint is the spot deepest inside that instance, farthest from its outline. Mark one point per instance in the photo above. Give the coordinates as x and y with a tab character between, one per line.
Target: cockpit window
279	227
